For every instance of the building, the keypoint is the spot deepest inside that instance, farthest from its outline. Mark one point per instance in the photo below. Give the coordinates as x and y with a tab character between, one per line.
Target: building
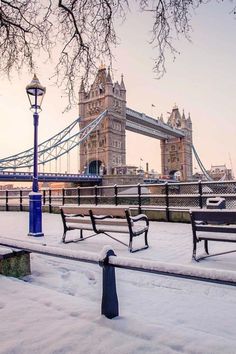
220	172
105	147
176	153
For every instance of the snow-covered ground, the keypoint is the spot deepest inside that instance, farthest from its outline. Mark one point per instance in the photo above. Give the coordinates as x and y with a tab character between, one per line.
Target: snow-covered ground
57	308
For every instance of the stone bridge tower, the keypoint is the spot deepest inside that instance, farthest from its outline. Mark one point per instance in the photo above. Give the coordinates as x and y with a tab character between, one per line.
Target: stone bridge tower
176	153
105	147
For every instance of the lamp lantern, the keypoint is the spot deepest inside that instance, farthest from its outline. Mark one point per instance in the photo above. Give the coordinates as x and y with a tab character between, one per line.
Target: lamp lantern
35	92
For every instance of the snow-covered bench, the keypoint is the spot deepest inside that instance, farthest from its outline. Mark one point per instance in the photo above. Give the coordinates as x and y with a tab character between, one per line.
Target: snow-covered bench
212	222
104	220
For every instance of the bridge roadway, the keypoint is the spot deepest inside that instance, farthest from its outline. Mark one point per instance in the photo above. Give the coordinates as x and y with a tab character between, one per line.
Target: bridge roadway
142	124
49	177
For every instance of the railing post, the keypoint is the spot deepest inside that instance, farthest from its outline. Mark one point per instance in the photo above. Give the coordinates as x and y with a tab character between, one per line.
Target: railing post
21	200
50	200
96	195
167	202
200	194
110	304
7	200
116	194
139	199
78	195
63	196
44	197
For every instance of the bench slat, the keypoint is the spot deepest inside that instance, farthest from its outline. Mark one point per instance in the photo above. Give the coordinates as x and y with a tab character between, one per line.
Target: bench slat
85	220
223	216
216	228
218	237
116	211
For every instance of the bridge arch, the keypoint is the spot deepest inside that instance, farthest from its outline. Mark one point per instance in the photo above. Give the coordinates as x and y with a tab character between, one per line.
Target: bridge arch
95	167
175	174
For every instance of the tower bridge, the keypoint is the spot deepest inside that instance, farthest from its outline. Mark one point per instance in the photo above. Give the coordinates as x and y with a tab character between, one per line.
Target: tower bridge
103	121
105	149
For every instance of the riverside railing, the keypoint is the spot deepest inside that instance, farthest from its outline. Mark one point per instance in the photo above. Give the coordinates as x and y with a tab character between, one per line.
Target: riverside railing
108	260
166	196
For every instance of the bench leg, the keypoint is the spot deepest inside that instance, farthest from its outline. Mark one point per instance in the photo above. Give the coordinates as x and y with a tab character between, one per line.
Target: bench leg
194	243
138	249
194	249
64	236
206	246
81	233
145	239
130	243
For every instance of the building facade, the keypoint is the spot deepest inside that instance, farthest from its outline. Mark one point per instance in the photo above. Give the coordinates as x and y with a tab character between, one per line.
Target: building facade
105	147
220	172
176	153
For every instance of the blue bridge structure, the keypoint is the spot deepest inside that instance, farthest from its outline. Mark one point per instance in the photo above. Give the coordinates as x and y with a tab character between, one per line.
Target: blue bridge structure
50	177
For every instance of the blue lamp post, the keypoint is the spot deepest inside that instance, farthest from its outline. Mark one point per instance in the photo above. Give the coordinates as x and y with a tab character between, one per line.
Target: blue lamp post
35	92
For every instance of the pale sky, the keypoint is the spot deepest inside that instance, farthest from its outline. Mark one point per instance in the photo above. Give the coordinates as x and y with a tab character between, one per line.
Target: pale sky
200	81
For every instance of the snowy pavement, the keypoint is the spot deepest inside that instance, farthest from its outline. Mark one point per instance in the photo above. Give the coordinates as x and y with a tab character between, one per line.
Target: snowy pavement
57	308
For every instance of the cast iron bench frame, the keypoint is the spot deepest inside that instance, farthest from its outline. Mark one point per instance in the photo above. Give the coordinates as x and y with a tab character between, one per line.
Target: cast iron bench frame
212	221
104	220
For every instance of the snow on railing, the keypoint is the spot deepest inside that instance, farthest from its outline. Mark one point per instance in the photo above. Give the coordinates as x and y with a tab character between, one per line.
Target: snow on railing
108	260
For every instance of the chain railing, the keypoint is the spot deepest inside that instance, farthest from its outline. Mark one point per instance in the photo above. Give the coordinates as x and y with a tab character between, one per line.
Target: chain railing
166	196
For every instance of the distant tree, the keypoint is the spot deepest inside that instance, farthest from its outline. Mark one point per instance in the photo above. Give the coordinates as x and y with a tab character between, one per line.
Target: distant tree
83	33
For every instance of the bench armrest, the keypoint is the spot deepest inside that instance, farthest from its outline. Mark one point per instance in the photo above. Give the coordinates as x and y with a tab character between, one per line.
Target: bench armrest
140	217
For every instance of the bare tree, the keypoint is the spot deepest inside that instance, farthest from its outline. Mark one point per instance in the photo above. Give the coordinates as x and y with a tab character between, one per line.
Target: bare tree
83	33
24	29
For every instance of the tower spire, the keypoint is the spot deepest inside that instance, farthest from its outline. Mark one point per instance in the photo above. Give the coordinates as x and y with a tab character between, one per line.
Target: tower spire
82	89
122	85
108	78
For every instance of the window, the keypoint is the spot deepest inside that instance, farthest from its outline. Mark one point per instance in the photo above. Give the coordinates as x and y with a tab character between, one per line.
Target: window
117	125
116	144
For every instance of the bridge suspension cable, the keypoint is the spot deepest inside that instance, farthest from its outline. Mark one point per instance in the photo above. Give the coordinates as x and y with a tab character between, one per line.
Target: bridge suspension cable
54	147
204	171
41	147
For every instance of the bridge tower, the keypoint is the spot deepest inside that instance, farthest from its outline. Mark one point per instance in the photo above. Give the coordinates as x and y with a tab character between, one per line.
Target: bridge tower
176	153
105	148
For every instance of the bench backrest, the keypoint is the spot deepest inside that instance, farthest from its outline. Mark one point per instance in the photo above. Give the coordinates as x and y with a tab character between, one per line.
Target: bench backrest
97	210
223	216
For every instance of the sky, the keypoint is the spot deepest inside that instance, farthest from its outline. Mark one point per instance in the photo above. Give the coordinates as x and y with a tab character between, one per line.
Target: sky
57	309
201	81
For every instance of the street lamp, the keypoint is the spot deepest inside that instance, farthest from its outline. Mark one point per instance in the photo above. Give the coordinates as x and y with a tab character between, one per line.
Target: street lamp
35	92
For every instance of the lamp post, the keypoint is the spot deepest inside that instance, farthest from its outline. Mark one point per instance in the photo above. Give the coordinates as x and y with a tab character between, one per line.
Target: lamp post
35	92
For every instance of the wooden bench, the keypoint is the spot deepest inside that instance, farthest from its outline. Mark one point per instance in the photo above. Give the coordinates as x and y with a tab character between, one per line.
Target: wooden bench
212	222
104	220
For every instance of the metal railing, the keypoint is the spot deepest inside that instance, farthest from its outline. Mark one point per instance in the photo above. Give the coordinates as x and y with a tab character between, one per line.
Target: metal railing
108	260
165	197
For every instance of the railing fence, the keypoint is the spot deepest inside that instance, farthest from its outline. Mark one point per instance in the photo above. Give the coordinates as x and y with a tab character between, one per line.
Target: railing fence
166	197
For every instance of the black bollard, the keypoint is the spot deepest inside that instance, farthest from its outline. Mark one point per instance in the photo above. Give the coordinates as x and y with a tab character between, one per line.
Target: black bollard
110	305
